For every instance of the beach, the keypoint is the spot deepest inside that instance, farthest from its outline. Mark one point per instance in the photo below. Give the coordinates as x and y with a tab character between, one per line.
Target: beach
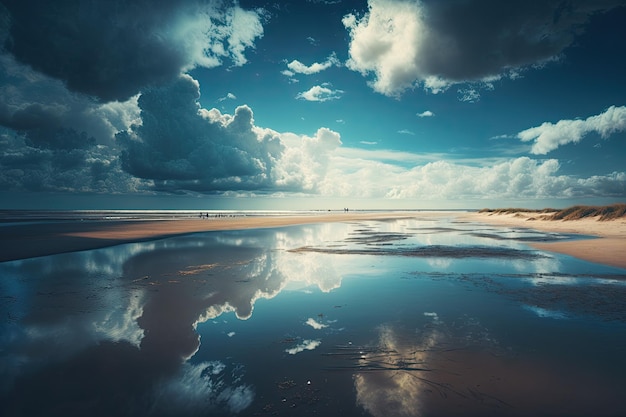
330	313
24	241
609	247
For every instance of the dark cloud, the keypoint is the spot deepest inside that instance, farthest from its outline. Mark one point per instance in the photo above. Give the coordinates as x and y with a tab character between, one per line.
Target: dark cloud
59	160
439	43
114	49
106	49
469	40
181	146
66	66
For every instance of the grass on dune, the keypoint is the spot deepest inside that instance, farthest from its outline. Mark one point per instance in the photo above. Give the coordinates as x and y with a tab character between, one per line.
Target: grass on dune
603	213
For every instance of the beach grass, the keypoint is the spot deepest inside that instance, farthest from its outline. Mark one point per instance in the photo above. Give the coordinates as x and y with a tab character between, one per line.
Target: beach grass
602	213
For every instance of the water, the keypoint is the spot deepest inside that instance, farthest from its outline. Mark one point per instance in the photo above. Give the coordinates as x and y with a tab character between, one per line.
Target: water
409	317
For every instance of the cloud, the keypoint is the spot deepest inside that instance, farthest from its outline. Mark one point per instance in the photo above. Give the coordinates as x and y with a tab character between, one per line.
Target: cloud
431	44
549	136
297	67
320	93
406	132
229	96
369	176
61	160
426	113
153	45
469	95
181	146
65	93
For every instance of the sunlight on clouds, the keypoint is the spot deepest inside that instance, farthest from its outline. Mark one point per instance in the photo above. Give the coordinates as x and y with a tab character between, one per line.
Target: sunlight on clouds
406	44
549	136
297	67
387	41
208	34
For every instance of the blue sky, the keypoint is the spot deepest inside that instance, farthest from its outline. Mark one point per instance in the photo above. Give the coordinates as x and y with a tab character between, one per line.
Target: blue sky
312	104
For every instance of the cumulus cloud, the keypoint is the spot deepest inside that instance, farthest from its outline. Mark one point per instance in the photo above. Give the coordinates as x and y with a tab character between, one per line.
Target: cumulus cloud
433	44
426	113
297	67
549	136
60	160
153	45
369	176
320	93
65	93
178	145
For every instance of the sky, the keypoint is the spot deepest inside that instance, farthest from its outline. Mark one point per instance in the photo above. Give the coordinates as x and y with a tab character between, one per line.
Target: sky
311	104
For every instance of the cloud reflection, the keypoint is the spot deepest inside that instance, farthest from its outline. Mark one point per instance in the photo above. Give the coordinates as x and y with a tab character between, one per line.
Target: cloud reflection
142	303
304	345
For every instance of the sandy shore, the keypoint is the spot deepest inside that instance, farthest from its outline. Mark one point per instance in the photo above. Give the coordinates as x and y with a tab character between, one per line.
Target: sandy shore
608	249
28	241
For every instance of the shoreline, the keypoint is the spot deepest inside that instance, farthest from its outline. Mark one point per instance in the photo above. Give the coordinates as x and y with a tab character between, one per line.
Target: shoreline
609	247
26	241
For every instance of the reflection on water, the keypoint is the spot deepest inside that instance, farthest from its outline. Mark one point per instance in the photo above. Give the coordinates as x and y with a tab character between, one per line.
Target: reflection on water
410	317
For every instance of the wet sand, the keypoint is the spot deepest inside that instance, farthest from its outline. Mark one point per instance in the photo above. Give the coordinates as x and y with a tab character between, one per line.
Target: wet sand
609	248
32	240
22	241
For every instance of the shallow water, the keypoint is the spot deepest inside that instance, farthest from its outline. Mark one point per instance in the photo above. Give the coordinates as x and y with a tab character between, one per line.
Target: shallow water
410	317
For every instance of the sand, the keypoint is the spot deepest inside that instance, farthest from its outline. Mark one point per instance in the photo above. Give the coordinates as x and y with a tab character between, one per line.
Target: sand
28	241
609	248
24	241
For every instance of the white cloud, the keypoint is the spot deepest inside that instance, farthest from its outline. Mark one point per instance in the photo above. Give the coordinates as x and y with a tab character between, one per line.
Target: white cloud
469	95
385	42
297	67
209	35
426	113
406	132
229	96
352	174
549	136
406	44
320	93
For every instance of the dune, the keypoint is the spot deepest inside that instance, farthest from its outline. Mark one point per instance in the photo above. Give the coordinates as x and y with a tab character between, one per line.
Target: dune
607	223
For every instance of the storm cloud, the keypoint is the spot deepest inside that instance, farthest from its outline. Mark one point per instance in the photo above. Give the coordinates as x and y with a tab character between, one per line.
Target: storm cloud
435	44
113	49
182	146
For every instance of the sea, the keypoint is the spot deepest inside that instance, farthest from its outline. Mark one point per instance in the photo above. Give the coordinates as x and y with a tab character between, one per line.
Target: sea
415	316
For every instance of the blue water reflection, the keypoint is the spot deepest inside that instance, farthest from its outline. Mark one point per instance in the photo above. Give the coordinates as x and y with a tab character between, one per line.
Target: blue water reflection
403	317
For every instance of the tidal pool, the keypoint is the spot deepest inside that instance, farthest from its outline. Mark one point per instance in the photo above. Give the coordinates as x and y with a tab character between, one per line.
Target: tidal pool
407	317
